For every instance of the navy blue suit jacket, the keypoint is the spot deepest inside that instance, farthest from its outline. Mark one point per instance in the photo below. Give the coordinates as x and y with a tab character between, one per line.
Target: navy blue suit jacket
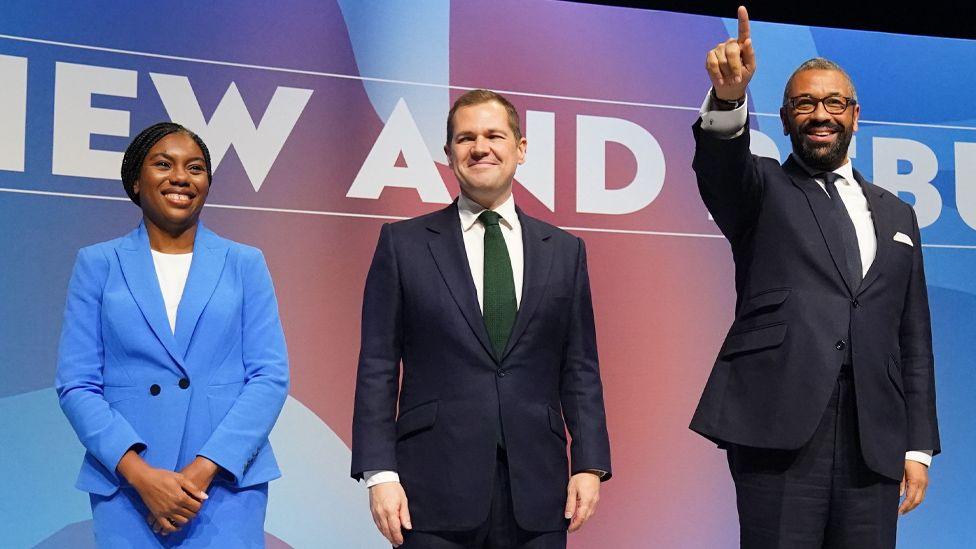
439	428
797	319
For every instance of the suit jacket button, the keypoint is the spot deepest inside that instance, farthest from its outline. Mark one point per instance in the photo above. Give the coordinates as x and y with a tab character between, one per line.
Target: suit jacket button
840	345
855	304
501	372
154	389
184	383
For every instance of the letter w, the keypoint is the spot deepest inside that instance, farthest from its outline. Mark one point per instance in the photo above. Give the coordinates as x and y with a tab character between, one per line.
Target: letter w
231	124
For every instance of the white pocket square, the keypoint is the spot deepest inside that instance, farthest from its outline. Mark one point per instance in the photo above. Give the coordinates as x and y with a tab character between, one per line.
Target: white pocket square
904	239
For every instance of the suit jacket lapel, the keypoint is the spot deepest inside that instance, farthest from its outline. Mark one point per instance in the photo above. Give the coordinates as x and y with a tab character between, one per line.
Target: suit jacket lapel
823	212
882	227
537	258
140	276
447	247
209	254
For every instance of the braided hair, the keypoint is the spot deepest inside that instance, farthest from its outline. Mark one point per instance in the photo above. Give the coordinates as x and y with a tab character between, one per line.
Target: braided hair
136	153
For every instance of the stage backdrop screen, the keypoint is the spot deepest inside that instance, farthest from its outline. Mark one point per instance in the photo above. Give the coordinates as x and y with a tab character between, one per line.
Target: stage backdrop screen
326	119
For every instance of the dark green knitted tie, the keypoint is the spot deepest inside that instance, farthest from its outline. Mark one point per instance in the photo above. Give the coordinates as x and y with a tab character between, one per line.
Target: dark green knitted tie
499	284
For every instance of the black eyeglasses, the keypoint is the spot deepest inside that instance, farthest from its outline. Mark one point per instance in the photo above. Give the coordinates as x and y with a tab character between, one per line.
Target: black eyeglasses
834	104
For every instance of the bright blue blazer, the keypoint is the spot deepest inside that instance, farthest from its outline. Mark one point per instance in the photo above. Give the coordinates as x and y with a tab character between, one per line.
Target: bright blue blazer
214	389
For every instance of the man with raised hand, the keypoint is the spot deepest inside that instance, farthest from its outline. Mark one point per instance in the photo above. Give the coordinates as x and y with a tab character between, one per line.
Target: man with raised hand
489	312
823	393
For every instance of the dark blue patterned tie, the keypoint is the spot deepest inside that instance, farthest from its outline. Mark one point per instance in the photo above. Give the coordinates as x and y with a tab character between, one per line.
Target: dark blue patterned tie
852	252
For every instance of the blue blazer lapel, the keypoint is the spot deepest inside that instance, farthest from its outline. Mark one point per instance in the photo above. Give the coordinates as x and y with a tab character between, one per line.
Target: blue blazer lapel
823	212
537	258
447	248
209	253
140	277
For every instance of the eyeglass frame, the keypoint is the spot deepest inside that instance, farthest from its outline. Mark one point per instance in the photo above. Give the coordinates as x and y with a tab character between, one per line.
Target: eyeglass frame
849	102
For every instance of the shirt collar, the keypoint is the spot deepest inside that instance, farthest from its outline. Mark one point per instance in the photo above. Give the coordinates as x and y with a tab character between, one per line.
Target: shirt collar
846	170
469	210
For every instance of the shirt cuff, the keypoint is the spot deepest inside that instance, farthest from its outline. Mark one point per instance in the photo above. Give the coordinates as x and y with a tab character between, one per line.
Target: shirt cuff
596	472
373	478
922	456
724	124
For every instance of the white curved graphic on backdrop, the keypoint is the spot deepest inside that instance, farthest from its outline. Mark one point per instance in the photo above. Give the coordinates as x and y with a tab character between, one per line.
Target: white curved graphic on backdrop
404	41
315	503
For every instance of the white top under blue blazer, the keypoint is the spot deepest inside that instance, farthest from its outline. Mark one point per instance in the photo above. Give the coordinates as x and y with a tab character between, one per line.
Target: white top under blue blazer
214	388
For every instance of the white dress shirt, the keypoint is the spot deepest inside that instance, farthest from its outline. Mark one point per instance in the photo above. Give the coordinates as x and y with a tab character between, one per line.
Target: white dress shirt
731	124
473	233
171	272
474	242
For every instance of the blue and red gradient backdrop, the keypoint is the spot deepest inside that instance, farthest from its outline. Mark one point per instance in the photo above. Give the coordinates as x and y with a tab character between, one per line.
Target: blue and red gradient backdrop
327	119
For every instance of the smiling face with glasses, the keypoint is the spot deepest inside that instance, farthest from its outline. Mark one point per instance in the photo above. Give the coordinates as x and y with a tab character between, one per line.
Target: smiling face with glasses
820	116
834	104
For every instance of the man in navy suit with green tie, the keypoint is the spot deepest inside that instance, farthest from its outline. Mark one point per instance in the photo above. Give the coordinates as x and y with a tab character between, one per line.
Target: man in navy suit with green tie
488	310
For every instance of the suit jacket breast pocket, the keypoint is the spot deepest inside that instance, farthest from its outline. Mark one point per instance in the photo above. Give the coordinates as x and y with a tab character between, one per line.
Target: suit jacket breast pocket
900	257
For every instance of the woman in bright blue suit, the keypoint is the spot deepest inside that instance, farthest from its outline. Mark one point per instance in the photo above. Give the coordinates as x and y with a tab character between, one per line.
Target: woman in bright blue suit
172	365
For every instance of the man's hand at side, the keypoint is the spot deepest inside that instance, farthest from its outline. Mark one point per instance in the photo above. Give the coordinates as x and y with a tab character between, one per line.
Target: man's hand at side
388	503
582	495
913	485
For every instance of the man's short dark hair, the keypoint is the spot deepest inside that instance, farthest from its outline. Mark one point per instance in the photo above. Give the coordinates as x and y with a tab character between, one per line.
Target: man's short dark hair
815	64
477	97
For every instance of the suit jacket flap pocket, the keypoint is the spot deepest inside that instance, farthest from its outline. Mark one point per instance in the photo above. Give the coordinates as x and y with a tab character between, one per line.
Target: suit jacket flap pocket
755	339
416	419
113	394
764	300
894	373
556	423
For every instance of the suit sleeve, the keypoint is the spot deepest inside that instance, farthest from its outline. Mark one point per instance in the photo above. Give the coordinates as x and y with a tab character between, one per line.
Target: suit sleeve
105	433
728	181
917	362
581	391
377	377
244	430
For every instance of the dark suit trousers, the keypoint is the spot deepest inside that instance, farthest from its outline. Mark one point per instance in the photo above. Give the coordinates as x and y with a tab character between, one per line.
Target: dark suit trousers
500	531
820	496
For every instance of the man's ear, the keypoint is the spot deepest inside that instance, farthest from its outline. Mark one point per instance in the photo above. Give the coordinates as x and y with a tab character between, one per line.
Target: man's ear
783	117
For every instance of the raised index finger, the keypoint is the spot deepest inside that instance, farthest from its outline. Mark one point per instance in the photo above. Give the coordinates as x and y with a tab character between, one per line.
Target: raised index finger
743	25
